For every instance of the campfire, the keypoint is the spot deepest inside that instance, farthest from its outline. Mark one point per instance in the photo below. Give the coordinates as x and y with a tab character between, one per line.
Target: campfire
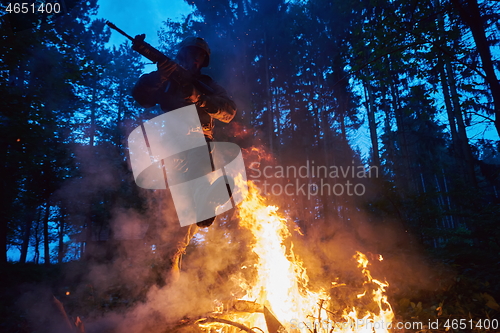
280	298
269	288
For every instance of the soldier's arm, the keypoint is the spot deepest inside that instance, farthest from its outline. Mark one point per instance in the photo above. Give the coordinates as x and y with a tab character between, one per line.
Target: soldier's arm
218	105
146	90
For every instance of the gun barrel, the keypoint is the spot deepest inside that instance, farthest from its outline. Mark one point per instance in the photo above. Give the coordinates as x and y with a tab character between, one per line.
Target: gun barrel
112	26
180	75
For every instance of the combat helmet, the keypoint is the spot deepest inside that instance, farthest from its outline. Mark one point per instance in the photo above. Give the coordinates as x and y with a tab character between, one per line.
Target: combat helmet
196	42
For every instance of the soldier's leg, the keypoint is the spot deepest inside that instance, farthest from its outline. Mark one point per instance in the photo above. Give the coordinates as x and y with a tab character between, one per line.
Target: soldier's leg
182	244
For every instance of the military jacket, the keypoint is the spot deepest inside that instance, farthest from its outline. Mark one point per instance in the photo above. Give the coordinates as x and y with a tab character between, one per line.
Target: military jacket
150	91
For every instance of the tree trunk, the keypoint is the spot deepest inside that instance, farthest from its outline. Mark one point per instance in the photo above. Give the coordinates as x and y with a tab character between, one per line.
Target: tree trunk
46	240
60	253
463	140
26	241
118	131
372	124
37	241
270	116
27	235
471	15
406	173
449	108
93	115
3	239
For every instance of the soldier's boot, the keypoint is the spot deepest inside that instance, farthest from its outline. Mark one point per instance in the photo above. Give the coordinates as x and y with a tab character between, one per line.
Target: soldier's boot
176	260
175	269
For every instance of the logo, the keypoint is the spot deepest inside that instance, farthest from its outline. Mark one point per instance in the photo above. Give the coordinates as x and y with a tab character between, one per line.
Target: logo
205	179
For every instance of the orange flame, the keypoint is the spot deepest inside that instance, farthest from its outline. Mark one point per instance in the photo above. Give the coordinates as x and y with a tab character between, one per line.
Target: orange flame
282	283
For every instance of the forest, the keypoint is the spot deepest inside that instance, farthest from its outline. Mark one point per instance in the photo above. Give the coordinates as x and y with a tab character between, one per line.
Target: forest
374	123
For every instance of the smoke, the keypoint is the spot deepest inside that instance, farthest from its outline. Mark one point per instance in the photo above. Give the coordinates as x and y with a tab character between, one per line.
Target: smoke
162	308
127	286
132	291
210	259
142	242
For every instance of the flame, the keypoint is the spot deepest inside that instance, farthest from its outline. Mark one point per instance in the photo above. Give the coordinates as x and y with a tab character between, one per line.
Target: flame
282	279
282	283
372	321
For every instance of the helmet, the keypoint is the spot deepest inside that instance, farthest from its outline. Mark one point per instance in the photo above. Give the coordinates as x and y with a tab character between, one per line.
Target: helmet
197	42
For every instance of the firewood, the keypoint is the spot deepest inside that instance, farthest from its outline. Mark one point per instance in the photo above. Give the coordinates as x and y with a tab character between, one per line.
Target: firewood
60	309
242	306
79	325
227	322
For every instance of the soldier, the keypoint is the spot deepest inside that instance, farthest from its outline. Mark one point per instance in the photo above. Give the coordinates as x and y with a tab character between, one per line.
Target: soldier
157	88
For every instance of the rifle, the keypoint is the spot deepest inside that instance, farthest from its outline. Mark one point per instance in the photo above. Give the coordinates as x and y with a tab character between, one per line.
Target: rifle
181	75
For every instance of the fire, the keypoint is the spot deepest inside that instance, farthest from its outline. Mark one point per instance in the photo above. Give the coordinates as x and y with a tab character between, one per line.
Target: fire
282	283
282	280
371	322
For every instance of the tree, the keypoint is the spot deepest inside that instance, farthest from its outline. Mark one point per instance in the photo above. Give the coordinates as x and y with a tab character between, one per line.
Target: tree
471	15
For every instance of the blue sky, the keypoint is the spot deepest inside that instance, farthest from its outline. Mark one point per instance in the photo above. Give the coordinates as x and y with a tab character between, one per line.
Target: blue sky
139	17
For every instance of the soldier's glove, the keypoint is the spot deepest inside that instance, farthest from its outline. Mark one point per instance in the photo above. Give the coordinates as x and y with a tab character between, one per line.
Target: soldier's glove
166	68
193	95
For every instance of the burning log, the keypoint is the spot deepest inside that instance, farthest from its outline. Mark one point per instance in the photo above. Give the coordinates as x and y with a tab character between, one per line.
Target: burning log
272	323
79	325
207	320
234	308
242	306
226	322
62	313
